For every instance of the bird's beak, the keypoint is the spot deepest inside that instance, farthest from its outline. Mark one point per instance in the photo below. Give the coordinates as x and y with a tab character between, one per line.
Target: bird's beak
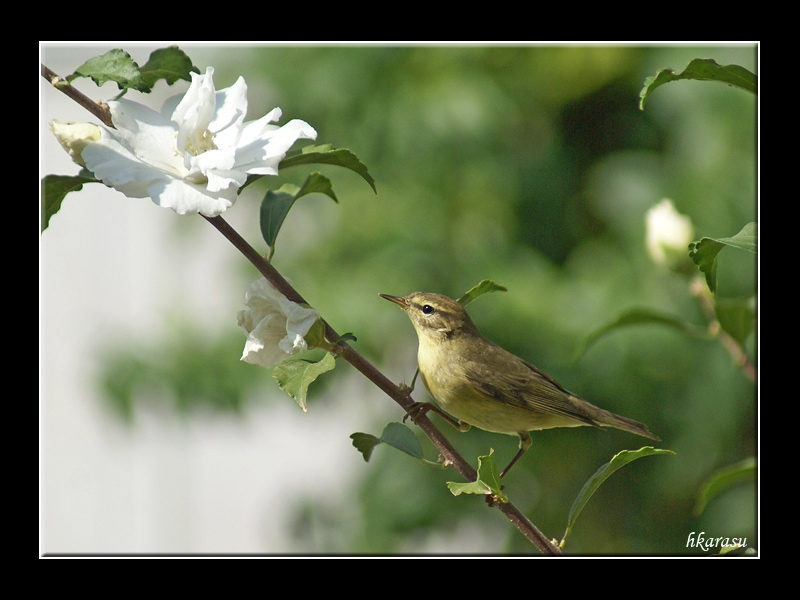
401	302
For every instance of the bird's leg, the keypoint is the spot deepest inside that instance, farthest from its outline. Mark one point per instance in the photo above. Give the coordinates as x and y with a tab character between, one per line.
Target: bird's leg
422	408
524	443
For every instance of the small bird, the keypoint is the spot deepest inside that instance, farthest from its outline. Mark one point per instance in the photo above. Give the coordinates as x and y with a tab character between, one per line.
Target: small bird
481	384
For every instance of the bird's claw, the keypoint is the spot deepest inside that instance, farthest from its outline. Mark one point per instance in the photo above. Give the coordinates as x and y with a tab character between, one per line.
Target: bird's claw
417	410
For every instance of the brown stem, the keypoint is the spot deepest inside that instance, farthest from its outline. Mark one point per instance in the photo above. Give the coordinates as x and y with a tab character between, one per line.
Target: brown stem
399	394
100	110
703	294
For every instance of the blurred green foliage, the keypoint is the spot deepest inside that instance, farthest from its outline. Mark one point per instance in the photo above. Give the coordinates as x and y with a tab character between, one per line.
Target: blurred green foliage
534	167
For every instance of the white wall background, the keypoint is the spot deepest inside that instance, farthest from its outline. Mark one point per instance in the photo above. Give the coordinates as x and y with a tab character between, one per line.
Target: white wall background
111	268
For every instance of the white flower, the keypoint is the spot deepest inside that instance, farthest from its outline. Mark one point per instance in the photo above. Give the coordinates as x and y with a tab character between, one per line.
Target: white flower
668	234
195	155
276	327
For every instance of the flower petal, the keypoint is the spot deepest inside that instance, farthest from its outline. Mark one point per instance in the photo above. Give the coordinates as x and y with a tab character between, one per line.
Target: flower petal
187	198
263	154
146	134
262	128
231	109
262	347
194	112
118	167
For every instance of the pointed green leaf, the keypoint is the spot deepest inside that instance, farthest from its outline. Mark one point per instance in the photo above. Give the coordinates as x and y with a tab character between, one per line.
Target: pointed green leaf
396	435
325	154
484	287
639	316
171	64
746	239
704	252
274	208
115	65
365	443
276	204
317	183
295	375
487	482
595	481
704	69
721	480
54	190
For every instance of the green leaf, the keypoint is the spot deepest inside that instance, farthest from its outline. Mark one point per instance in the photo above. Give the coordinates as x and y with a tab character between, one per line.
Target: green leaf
704	69
396	435
604	472
170	64
484	287
639	316
721	480
274	208
487	482
295	375
317	183
746	239
402	438
326	154
704	252
276	204
365	443
115	65
54	190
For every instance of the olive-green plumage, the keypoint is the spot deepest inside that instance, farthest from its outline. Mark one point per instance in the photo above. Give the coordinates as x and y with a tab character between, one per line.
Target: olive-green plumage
481	384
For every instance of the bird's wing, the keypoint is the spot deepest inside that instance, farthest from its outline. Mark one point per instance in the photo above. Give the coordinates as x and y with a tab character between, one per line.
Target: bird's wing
519	383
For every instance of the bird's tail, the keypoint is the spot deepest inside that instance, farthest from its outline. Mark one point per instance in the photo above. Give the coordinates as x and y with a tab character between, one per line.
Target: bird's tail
601	417
629	425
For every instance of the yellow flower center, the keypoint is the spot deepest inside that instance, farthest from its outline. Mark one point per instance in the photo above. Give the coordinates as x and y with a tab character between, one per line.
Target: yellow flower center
201	142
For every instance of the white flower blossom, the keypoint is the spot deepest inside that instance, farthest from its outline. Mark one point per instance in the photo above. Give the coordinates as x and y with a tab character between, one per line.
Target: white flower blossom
196	153
668	234
276	327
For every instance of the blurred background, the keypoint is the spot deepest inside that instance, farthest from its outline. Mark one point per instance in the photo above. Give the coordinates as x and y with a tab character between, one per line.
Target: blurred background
529	165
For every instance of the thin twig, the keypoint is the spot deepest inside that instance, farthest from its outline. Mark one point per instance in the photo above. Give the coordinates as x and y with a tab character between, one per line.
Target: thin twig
399	394
99	110
700	290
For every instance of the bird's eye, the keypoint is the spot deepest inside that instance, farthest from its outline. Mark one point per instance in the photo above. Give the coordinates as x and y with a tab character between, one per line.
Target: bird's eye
428	309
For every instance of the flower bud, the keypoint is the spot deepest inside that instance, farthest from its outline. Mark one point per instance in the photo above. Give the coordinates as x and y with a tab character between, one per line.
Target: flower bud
276	327
74	137
668	235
